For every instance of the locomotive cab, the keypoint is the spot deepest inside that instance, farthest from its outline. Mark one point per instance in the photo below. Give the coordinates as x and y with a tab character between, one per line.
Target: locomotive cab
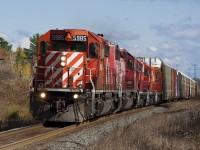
67	65
61	59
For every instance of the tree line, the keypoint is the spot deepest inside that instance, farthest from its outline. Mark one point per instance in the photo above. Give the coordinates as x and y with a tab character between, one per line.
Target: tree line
22	55
17	63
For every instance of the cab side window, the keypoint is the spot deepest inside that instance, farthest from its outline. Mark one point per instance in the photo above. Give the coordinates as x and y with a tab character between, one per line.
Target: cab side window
157	75
130	64
137	67
147	72
106	50
43	48
117	53
93	50
78	46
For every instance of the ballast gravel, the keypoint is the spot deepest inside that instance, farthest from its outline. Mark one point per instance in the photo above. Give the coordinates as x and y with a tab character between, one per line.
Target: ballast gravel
87	136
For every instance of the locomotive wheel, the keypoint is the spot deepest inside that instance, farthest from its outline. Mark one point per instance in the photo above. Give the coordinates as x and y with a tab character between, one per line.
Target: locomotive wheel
143	103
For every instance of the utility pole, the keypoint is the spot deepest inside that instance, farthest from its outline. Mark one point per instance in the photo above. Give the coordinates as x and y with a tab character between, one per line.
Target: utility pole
194	69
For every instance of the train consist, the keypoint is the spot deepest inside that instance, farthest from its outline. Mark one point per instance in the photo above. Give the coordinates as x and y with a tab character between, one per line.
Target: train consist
80	75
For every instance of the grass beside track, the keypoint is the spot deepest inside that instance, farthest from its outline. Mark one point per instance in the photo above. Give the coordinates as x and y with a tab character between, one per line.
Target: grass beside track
177	129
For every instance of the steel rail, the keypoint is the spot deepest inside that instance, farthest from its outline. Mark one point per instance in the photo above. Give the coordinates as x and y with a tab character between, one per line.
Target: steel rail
19	130
37	138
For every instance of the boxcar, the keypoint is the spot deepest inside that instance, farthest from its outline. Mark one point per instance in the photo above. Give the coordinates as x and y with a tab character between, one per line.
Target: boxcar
183	85
167	82
192	88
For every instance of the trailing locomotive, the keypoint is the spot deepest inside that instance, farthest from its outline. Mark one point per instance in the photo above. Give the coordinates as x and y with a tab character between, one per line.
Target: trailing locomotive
80	75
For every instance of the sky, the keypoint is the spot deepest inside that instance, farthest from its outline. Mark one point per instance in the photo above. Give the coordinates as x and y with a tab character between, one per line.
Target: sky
168	29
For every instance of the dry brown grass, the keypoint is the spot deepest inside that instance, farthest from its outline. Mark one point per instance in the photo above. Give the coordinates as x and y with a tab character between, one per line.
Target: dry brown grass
14	93
14	98
167	131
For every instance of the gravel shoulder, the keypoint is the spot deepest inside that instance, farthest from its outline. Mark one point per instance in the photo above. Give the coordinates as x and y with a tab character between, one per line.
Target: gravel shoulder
88	137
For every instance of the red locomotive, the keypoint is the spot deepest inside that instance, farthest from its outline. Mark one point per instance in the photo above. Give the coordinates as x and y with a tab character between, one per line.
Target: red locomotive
80	75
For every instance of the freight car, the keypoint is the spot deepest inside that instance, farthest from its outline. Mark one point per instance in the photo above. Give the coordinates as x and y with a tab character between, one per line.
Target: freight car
80	75
175	84
197	91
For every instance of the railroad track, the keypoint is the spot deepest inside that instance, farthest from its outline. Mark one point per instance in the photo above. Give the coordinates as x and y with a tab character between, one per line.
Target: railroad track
36	138
11	137
19	130
52	132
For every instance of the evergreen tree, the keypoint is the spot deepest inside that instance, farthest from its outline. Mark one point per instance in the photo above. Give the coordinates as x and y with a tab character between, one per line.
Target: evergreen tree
34	43
5	45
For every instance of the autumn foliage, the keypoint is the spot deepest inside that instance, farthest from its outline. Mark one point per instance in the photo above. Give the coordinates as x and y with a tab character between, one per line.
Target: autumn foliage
15	77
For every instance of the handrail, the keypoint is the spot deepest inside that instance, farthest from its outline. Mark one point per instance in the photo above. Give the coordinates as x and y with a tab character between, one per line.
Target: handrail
93	87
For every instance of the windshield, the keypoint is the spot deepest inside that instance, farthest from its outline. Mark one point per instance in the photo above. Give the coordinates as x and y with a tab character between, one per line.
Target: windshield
60	46
69	46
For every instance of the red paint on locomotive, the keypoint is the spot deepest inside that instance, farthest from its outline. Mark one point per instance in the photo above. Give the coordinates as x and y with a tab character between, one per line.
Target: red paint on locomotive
80	75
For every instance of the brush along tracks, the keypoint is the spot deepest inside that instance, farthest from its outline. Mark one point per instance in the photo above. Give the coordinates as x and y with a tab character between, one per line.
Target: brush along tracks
32	136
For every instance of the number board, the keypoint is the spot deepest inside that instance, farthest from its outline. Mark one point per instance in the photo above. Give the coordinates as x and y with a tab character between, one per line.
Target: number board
57	37
82	38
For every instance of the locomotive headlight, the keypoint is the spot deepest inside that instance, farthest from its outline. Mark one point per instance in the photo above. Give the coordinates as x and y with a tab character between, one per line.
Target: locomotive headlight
63	64
75	96
43	95
80	86
63	58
